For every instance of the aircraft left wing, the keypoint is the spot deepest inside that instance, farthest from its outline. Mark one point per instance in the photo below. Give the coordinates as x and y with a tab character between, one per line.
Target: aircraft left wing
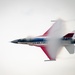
46	52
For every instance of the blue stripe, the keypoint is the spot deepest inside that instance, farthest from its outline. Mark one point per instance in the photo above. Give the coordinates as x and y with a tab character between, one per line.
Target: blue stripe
32	40
38	40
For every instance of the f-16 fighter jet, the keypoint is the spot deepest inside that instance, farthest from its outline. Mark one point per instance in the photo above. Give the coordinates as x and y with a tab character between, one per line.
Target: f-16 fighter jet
52	40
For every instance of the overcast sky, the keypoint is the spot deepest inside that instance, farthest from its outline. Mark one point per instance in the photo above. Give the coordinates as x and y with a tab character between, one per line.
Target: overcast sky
22	18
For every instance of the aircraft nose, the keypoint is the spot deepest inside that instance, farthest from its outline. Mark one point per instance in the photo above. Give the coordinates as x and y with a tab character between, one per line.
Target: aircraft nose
14	41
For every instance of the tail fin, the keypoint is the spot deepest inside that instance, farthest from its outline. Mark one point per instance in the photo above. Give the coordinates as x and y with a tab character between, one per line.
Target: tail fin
69	35
70	47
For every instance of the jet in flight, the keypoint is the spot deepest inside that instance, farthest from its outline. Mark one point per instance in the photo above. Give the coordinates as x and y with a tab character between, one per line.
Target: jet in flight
52	40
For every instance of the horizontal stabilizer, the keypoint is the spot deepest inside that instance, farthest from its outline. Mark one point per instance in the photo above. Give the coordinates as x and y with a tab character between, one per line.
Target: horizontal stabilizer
70	48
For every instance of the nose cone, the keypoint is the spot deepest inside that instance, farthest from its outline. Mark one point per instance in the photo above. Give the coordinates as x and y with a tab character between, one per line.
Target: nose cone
20	41
14	41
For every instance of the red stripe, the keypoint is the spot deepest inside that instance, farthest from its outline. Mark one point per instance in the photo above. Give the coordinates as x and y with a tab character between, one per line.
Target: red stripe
46	52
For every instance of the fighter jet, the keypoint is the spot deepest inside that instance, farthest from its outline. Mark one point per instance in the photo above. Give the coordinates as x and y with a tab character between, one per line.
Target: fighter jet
52	40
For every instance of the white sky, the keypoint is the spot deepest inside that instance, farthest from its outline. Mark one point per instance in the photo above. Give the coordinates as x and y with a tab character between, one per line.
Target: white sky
21	18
